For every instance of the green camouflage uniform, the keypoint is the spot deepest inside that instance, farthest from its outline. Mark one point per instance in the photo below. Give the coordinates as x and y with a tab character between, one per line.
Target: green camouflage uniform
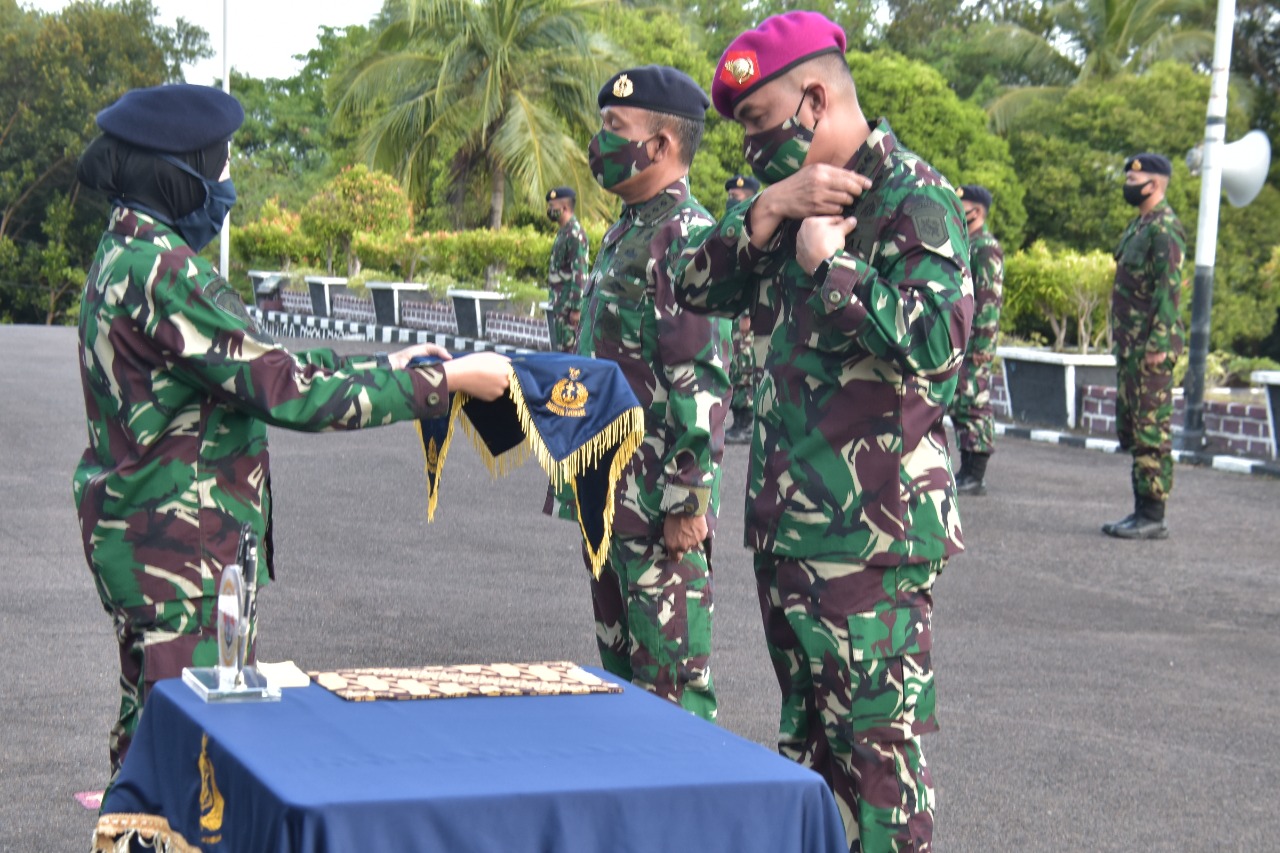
1145	319
742	370
850	499
971	411
653	613
179	390
566	277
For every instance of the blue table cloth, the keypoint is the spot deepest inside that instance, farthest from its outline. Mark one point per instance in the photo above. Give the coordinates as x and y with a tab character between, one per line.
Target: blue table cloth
607	772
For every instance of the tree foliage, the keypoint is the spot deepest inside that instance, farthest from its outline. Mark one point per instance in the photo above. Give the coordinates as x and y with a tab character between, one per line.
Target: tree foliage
501	89
950	134
56	72
357	200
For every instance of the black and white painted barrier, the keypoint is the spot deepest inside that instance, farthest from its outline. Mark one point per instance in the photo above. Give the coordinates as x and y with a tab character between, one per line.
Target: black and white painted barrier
278	324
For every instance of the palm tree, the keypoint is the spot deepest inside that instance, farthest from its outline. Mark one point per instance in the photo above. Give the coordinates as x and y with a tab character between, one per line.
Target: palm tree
1093	41
504	88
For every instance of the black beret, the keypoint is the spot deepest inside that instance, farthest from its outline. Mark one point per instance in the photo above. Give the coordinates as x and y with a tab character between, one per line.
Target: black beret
1152	164
177	119
561	192
742	182
975	194
657	88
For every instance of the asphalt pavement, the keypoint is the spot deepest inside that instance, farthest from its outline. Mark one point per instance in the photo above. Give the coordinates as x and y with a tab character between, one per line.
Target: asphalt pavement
1094	694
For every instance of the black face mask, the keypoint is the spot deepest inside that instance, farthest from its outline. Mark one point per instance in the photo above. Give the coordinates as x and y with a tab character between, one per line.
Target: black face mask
552	214
1133	194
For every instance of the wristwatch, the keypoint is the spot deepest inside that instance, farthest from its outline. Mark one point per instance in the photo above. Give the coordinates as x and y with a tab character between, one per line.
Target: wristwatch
382	358
821	270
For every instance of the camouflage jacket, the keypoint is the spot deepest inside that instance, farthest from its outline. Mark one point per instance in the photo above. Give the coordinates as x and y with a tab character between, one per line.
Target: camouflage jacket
675	361
986	260
178	393
567	274
849	460
1148	287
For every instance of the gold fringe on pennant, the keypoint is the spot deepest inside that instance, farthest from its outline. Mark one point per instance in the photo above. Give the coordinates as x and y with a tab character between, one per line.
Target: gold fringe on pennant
628	425
626	432
433	494
114	833
626	448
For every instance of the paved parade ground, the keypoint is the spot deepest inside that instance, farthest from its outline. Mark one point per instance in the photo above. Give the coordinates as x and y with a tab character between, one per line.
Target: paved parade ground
1094	694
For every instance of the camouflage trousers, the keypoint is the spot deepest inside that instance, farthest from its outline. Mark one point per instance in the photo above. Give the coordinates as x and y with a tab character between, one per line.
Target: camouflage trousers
566	333
742	370
850	645
971	411
183	634
653	621
1144	415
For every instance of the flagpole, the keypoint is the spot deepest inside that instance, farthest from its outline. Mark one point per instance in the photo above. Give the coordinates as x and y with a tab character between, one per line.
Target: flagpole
224	261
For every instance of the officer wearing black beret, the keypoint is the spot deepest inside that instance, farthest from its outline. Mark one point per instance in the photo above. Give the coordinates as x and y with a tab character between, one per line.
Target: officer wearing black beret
653	595
741	188
970	410
567	272
179	387
164	152
1147	338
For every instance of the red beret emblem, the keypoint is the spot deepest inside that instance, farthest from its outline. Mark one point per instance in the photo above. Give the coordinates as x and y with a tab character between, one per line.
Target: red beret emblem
740	69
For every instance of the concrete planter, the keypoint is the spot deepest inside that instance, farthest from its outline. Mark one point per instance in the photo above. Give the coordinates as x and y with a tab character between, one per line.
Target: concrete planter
1046	387
388	296
552	323
1270	379
266	288
323	288
471	307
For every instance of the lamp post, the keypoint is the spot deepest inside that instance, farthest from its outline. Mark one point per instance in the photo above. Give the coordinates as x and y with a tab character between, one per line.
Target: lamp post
1215	131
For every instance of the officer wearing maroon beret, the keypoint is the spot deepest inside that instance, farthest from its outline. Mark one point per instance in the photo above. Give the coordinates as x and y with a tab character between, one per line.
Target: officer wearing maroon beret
853	263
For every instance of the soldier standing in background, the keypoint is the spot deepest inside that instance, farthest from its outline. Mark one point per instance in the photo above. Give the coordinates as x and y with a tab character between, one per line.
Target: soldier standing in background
742	371
179	387
567	273
653	598
971	411
855	262
1147	339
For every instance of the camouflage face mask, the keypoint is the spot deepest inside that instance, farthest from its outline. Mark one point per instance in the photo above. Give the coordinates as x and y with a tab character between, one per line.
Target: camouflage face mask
615	158
779	152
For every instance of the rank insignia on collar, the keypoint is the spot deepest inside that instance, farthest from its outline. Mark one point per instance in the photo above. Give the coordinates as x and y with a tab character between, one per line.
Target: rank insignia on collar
569	396
623	87
740	69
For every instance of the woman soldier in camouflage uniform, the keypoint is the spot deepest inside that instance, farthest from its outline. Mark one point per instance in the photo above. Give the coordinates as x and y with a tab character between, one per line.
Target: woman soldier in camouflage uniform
179	388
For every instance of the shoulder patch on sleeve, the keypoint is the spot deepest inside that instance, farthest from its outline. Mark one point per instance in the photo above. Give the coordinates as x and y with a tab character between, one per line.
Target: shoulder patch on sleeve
929	218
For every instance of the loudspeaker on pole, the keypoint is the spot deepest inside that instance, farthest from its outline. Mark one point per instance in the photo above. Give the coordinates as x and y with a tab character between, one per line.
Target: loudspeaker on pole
1245	164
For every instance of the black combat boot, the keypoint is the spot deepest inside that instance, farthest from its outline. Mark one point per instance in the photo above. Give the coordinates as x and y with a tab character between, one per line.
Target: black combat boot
965	462
740	431
972	482
1147	522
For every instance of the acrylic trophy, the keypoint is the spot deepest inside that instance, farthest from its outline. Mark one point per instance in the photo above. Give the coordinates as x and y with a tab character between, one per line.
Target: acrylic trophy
231	680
